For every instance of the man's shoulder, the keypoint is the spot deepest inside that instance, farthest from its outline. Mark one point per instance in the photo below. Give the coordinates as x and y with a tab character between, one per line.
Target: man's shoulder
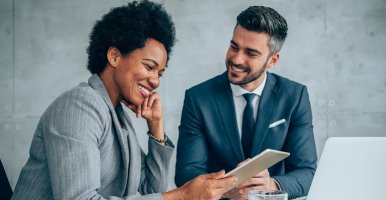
285	83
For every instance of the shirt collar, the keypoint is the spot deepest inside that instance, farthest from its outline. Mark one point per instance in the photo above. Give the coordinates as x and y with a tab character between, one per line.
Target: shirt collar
238	90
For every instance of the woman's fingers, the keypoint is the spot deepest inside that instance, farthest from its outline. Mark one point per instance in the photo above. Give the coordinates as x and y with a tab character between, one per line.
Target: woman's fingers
139	111
144	105
152	98
150	109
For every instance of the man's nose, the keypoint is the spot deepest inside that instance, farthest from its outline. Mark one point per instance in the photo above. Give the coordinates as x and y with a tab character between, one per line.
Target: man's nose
238	58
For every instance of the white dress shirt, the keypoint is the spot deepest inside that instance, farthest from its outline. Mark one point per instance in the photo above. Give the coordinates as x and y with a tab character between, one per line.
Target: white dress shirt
240	101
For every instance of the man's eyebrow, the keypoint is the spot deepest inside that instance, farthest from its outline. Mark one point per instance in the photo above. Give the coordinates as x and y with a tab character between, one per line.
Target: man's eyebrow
248	49
151	60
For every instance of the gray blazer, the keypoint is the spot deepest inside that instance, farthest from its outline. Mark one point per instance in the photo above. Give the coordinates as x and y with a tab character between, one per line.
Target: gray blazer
80	151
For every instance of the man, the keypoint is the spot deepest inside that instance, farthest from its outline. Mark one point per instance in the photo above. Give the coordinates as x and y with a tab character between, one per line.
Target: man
220	129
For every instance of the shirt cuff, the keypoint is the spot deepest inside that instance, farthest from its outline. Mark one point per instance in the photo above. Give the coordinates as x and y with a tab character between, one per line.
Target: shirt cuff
277	183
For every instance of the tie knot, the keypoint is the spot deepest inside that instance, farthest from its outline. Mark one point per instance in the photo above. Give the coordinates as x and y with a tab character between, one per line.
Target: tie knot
249	97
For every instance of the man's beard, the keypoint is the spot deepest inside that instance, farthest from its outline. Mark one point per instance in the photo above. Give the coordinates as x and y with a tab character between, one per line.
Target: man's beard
250	76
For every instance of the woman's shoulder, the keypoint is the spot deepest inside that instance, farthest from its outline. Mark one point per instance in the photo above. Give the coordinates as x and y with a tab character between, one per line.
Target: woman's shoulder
82	99
83	93
79	113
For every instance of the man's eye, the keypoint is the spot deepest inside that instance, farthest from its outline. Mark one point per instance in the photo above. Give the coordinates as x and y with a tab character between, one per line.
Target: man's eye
251	54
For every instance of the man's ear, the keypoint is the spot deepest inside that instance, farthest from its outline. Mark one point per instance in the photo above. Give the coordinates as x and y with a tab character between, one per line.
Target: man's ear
113	56
273	60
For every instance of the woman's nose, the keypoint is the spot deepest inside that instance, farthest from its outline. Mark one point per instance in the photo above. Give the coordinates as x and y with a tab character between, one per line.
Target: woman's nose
154	80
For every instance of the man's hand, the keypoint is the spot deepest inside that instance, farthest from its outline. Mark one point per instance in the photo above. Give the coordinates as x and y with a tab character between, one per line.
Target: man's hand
261	181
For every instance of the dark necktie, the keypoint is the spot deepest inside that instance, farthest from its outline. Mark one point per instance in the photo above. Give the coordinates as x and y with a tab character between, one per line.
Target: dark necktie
248	125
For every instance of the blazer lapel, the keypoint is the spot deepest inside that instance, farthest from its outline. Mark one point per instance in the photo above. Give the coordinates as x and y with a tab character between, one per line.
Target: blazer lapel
96	83
226	107
135	164
267	105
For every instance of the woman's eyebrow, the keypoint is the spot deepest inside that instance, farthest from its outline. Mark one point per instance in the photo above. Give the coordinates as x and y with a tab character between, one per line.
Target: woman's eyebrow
151	60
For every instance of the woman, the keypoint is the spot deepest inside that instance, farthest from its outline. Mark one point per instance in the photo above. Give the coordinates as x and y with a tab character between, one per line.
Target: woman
85	146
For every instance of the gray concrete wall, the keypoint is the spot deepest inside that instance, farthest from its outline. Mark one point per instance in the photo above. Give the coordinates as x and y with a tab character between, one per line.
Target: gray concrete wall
336	48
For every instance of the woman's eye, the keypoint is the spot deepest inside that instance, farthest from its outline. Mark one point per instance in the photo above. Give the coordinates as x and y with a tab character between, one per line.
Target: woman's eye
148	67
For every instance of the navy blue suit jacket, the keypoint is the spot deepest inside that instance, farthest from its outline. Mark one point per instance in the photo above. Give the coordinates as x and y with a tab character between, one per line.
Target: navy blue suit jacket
209	140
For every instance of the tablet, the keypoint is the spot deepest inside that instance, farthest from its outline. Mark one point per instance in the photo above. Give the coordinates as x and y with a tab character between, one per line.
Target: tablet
257	164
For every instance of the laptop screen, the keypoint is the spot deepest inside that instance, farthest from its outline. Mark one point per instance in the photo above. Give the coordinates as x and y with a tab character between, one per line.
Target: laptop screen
351	168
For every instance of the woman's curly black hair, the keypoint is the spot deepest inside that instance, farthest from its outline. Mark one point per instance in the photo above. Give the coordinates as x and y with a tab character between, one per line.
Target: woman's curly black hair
127	28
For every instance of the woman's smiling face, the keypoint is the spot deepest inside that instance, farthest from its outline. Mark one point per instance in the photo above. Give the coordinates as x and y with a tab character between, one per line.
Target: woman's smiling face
138	73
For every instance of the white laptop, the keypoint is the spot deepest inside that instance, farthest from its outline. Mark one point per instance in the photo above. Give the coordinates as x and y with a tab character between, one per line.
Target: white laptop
352	168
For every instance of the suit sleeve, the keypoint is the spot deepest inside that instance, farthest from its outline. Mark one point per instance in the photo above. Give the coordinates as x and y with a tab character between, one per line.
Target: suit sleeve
192	150
301	165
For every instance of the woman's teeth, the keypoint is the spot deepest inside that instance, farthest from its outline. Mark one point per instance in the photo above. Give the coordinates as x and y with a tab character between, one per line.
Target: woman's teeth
144	90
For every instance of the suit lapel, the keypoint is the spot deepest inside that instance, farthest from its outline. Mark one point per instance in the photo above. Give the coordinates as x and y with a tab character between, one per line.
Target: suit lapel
267	105
96	83
226	107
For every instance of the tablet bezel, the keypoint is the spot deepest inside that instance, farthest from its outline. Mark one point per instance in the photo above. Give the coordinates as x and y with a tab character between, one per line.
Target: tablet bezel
257	164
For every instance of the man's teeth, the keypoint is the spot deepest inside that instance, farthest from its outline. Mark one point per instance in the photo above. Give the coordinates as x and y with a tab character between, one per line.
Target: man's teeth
237	69
144	90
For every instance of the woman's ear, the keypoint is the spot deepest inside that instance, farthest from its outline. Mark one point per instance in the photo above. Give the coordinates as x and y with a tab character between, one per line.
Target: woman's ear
113	56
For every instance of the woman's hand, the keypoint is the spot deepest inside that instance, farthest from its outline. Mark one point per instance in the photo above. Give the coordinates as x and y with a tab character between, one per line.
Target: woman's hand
151	110
204	187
